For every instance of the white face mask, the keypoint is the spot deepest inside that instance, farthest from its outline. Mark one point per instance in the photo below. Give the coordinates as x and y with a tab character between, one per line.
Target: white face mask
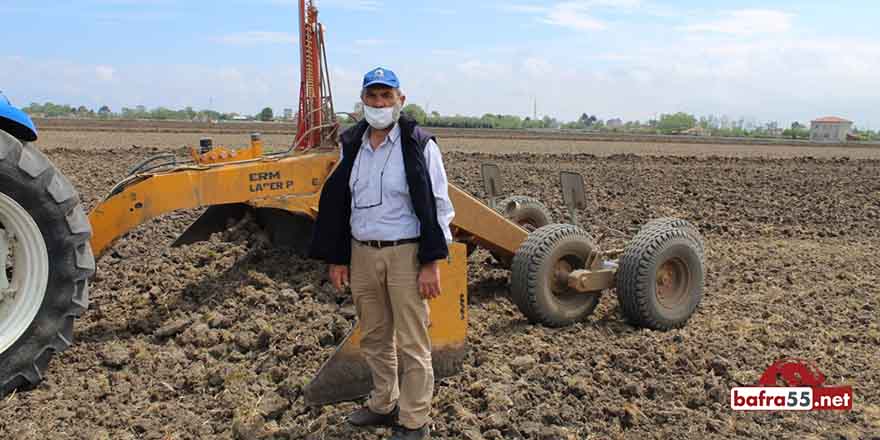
382	118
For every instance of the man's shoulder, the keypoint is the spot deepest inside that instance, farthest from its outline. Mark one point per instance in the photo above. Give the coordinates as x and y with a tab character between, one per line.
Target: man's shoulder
354	132
423	137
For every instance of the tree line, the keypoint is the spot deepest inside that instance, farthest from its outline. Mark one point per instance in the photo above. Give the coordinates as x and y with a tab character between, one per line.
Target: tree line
679	123
51	110
670	124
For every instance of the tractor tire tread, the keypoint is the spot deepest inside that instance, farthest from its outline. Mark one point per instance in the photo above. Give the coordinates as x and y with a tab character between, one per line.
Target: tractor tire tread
55	206
634	276
525	276
525	202
692	230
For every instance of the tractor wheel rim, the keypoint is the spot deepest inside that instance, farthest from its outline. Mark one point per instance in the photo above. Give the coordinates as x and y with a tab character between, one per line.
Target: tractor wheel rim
24	262
673	282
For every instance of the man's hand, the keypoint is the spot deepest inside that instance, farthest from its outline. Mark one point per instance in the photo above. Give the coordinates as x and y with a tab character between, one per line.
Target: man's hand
339	276
429	280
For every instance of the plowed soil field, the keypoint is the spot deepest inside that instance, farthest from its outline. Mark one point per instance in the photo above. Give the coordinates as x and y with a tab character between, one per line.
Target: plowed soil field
217	339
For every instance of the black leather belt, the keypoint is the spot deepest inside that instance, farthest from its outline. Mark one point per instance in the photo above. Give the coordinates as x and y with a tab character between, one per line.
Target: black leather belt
379	244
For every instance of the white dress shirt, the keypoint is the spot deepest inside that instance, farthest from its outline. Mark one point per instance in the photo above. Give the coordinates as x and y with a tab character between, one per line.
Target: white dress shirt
381	207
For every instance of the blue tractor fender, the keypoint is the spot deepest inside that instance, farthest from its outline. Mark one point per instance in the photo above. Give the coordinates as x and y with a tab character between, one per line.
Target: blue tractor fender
16	122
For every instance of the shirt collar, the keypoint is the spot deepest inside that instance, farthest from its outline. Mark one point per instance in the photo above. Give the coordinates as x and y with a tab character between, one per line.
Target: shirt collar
392	137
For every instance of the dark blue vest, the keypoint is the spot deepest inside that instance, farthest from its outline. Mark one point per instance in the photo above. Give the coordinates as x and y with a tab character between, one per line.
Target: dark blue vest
331	240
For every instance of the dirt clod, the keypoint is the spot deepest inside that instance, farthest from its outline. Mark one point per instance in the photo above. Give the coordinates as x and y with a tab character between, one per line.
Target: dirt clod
115	355
172	328
216	340
272	405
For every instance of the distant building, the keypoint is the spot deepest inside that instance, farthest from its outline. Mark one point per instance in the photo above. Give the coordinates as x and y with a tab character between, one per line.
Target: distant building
614	123
829	129
697	131
288	114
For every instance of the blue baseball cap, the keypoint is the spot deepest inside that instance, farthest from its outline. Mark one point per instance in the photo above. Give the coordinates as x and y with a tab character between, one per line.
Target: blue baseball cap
383	76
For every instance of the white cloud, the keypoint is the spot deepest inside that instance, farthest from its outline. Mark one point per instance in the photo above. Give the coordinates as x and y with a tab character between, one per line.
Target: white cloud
242	89
258	37
538	67
573	15
625	4
477	69
104	73
785	74
577	15
746	22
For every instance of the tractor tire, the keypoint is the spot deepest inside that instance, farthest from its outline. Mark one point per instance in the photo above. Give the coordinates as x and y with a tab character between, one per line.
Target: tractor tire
51	262
680	224
535	288
525	211
660	277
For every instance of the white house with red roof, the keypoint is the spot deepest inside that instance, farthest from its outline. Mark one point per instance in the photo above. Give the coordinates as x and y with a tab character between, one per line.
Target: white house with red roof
829	129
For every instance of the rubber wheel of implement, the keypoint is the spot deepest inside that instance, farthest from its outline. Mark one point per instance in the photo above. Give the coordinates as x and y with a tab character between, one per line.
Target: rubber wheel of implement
535	288
33	182
525	211
660	278
664	222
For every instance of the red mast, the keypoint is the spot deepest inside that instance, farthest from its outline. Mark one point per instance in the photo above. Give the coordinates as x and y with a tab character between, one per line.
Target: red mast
316	122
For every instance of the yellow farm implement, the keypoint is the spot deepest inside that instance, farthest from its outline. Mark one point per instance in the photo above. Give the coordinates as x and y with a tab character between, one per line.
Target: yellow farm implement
47	242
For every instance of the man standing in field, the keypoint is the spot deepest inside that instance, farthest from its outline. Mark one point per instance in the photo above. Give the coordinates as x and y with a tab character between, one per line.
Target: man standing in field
383	223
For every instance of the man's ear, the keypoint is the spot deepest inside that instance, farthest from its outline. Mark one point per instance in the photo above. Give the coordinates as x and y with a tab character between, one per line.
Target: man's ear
402	100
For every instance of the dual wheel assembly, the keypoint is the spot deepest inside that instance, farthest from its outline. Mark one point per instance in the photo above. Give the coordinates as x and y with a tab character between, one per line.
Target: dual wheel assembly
658	277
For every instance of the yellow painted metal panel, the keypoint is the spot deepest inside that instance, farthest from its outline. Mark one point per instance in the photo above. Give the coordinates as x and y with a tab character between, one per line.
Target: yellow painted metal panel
205	186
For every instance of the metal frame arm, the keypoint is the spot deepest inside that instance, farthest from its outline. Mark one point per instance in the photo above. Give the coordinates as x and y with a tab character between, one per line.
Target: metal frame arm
290	183
247	182
483	225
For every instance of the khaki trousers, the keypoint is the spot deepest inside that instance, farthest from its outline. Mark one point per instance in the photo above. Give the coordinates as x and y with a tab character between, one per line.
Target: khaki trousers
394	318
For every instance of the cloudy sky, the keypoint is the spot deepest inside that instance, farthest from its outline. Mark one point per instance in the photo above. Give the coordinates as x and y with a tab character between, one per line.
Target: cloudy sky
762	60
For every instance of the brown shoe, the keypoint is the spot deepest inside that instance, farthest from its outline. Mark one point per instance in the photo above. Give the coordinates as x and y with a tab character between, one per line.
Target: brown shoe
404	433
366	417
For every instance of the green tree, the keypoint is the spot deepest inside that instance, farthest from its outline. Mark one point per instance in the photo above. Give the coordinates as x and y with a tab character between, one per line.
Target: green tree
266	114
416	112
676	123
